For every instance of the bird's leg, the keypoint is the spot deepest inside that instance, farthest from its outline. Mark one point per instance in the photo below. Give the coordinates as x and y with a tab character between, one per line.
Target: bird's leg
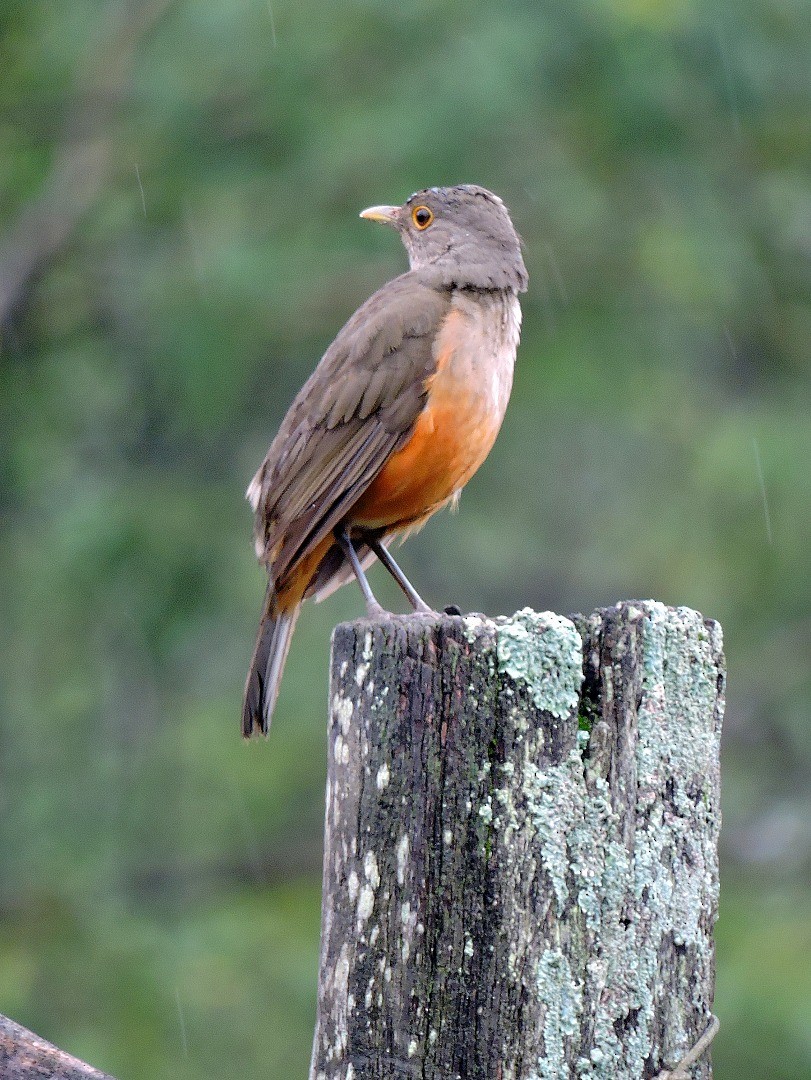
387	559
373	609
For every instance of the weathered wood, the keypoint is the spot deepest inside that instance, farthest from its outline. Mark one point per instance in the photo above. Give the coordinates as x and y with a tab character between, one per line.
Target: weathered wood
520	871
25	1056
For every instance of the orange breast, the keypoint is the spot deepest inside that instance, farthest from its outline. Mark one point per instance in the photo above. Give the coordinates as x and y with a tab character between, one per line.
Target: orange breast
467	397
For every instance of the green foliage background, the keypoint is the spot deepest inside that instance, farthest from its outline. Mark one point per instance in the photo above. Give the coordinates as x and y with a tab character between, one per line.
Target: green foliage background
179	241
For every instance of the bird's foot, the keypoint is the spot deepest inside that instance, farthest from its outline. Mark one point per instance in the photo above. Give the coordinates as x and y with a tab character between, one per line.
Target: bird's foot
376	611
422	608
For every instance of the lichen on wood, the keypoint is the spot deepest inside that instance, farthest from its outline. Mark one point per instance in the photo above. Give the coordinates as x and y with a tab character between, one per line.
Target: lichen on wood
520	875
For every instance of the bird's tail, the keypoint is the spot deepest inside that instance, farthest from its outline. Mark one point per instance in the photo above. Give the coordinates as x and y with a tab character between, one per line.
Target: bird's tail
265	674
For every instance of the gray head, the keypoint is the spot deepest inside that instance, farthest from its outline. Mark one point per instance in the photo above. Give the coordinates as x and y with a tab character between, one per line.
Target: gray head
460	236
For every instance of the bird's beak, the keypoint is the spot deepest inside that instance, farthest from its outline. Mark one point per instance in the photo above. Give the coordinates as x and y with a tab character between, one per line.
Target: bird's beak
389	215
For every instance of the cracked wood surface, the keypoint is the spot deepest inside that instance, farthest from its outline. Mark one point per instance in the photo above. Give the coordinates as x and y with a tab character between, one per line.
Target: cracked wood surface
520	870
25	1056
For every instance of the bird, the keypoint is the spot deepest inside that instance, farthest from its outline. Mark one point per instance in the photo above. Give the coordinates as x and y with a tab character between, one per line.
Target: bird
400	412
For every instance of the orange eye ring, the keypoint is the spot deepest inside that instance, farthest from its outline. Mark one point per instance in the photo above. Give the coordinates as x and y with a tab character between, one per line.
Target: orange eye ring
422	216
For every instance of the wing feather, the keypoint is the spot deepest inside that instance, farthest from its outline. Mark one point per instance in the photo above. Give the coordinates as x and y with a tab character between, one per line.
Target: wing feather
358	407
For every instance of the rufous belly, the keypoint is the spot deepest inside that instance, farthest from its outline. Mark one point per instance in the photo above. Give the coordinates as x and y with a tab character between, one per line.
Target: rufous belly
467	398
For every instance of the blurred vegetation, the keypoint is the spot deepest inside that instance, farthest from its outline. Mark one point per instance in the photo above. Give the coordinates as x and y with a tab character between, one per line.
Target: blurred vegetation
179	188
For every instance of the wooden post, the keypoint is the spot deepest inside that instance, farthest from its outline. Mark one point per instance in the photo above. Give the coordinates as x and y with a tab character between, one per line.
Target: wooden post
520	871
25	1056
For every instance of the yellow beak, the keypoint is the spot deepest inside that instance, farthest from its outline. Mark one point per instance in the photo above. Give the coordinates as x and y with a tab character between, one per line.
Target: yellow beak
386	214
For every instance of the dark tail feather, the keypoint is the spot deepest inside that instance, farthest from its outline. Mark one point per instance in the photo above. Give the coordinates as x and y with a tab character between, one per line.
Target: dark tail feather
265	674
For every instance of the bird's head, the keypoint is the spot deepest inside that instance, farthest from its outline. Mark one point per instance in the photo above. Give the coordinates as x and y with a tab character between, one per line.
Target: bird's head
461	236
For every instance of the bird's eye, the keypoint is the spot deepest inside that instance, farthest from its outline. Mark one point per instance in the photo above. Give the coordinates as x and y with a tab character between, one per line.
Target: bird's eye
422	217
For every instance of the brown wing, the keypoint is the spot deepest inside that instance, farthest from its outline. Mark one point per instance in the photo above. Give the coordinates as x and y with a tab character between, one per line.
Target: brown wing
355	410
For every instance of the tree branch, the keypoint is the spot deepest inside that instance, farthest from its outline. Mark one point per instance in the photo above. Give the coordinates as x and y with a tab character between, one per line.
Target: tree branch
82	159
